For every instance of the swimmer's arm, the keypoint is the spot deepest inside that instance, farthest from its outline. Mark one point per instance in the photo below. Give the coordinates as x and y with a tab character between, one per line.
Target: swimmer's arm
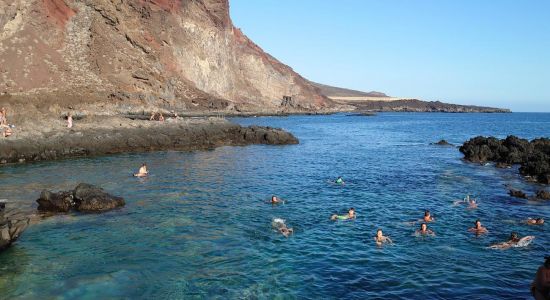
389	240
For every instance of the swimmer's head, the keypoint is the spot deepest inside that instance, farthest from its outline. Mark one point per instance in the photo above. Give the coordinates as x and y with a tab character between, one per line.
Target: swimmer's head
478	223
379	232
514	236
144	165
423	226
351	211
426	213
540	221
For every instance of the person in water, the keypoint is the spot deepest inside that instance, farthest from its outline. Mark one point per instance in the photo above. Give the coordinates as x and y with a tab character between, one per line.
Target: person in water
142	171
472	204
275	200
513	240
340	180
349	216
540	288
537	221
478	228
424	230
428	217
281	227
381	239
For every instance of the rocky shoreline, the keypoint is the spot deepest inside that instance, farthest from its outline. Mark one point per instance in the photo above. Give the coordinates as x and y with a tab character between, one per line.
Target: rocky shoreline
120	135
533	156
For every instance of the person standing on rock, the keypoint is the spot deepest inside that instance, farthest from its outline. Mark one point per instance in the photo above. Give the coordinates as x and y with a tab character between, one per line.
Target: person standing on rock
70	120
142	171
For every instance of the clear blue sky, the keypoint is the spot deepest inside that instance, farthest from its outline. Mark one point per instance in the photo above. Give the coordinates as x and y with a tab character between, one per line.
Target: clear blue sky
494	53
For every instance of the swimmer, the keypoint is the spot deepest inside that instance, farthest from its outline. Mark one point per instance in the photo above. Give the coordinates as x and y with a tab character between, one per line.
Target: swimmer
424	230
472	204
537	221
275	200
478	229
540	288
428	217
349	216
340	180
513	241
281	227
381	239
142	171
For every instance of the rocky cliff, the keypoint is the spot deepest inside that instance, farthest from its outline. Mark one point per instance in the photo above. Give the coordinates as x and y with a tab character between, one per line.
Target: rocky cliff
123	55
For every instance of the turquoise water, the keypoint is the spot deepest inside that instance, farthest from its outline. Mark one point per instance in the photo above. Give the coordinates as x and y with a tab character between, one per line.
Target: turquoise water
199	226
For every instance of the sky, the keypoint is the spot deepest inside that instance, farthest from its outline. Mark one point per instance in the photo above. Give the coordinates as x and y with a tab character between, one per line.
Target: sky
492	53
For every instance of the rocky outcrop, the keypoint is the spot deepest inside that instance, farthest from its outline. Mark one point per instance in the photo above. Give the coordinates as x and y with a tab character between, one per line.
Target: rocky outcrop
178	135
12	225
543	195
533	156
414	105
89	198
170	54
517	194
443	143
84	198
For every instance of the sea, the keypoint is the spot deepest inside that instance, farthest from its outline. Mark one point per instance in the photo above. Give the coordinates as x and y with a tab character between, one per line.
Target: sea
200	226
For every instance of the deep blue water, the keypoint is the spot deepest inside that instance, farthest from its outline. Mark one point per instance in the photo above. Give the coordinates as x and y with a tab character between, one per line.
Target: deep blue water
199	226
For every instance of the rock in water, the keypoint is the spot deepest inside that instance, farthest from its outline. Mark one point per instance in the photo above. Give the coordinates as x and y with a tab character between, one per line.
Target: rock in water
443	143
517	194
543	195
89	198
533	156
55	202
84	198
12	224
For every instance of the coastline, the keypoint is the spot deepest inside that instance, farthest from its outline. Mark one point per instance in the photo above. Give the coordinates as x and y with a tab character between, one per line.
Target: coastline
94	136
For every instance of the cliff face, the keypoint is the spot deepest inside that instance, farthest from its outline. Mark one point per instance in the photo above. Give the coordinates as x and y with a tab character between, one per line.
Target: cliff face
173	54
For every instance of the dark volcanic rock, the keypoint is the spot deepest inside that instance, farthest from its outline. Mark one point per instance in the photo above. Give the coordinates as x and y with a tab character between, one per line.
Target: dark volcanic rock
533	156
84	198
443	143
89	198
12	224
543	195
517	194
267	135
55	202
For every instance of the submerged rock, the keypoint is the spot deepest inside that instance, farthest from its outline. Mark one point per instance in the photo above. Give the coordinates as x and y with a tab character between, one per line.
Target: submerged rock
84	198
12	224
517	194
533	156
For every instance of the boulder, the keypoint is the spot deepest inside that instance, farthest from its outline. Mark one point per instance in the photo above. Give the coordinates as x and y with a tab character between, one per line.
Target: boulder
90	198
12	224
517	194
543	195
55	202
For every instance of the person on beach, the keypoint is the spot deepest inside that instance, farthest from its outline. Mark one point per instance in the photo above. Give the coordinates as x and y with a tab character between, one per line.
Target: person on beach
478	228
70	120
424	230
349	216
428	217
513	241
161	117
4	116
537	221
153	115
540	288
142	171
281	227
381	239
6	131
